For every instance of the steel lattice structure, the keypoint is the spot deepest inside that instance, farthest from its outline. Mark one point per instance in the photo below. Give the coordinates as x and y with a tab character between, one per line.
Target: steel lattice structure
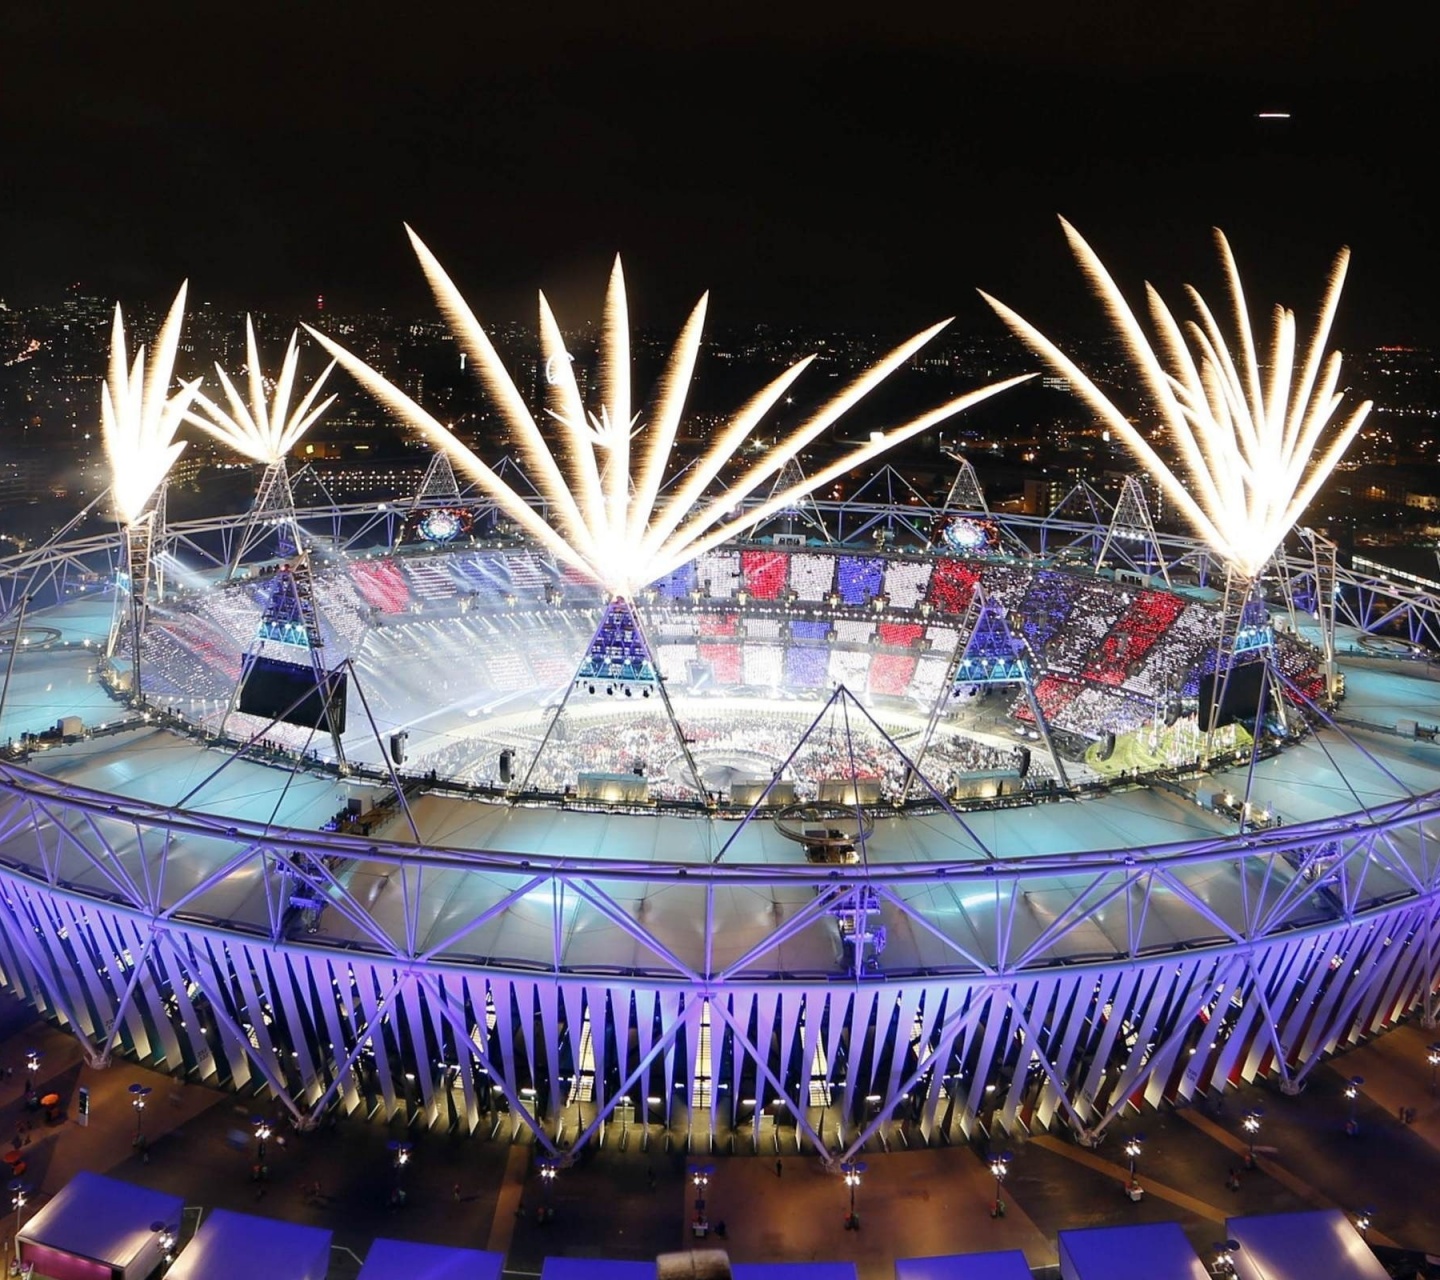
1048	964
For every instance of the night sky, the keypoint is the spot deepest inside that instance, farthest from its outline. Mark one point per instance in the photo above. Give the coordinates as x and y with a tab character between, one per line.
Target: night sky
810	164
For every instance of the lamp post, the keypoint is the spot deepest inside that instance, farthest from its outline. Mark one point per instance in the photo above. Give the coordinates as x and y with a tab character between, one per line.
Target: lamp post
400	1153
138	1094
1432	1056
1225	1257
262	1136
167	1234
1352	1092
19	1193
1251	1124
852	1169
1362	1222
549	1170
1132	1153
700	1177
1000	1167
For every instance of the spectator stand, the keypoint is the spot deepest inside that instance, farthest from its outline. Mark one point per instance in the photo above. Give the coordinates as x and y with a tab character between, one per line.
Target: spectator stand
991	655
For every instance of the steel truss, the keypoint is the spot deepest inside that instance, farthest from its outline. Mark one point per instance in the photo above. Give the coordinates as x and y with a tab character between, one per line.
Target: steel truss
1365	596
107	930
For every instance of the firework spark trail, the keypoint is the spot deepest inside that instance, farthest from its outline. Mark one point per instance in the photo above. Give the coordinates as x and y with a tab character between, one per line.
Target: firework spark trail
607	522
263	430
139	416
1247	442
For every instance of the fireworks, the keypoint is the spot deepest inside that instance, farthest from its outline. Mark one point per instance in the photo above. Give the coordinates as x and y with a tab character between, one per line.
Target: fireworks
1250	428
611	521
262	430
139	416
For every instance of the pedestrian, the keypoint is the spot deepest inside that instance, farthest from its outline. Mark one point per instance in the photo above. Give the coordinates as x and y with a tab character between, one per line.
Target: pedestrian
455	1193
650	1176
779	1168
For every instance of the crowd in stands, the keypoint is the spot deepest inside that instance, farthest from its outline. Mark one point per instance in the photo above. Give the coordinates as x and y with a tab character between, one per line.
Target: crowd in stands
859	579
905	582
1133	636
763	573
439	630
811	576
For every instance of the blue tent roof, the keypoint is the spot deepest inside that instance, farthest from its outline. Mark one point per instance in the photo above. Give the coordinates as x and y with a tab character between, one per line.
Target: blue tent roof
102	1219
240	1246
1003	1264
1157	1251
406	1260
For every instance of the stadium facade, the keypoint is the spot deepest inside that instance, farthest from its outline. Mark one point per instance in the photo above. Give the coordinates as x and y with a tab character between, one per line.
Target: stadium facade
883	951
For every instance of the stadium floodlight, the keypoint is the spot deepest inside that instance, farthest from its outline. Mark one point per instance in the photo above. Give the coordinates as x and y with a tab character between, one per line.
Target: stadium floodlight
610	522
263	429
139	416
1250	427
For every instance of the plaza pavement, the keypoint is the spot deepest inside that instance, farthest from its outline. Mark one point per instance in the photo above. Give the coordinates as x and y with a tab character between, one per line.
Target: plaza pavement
483	1192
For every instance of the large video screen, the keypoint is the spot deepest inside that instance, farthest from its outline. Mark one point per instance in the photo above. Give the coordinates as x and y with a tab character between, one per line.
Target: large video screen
437	526
287	691
1239	697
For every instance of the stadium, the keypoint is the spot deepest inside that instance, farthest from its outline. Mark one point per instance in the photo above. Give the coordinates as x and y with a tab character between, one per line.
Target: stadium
871	822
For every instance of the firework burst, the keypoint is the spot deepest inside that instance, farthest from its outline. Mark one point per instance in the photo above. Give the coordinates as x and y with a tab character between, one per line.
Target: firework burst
609	518
1255	431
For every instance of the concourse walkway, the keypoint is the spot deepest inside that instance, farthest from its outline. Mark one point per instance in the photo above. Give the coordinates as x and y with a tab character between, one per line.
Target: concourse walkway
484	1193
